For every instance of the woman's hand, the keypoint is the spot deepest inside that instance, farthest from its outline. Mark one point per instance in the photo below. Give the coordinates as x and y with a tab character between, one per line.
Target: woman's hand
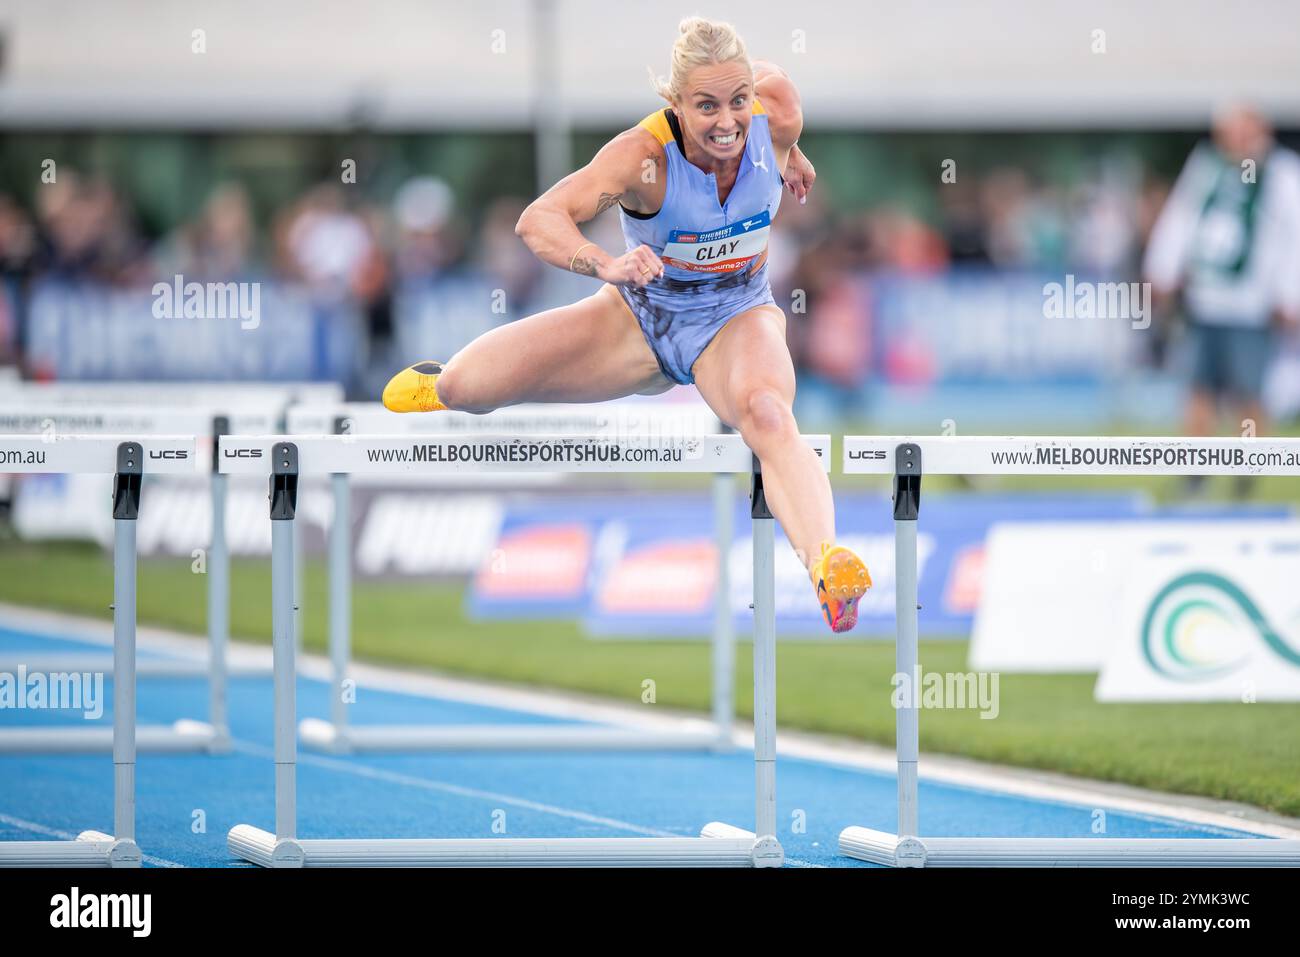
799	174
638	267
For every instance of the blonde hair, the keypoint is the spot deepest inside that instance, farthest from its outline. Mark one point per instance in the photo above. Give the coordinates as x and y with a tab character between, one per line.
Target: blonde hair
702	43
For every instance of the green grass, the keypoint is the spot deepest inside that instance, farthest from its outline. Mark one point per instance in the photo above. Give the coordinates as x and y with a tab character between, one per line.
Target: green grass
1230	751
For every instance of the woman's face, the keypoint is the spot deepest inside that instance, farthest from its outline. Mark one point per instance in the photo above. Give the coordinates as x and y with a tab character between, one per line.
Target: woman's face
715	109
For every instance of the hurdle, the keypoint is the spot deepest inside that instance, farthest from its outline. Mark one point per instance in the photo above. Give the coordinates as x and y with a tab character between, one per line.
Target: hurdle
128	460
285	459
213	735
606	419
907	460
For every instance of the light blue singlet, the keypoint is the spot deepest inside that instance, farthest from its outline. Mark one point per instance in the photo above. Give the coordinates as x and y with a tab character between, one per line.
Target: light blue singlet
707	247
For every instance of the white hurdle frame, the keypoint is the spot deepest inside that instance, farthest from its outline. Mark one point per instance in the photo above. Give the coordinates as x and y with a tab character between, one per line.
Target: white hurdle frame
907	459
211	736
126	459
337	736
285	458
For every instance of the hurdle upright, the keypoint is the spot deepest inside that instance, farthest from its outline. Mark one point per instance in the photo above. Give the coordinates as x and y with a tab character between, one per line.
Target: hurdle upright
128	460
907	460
284	459
603	419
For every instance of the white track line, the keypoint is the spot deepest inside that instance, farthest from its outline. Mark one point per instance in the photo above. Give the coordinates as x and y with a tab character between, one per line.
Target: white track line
58	835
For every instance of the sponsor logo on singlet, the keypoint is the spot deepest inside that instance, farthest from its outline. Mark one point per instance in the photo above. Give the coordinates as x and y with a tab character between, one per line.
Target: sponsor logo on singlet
719	250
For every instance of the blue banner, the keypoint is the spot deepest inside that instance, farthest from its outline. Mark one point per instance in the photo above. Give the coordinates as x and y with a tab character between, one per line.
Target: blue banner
974	325
651	571
177	330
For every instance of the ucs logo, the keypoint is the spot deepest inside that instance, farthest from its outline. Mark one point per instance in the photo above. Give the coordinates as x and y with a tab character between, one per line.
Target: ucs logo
242	453
872	455
168	454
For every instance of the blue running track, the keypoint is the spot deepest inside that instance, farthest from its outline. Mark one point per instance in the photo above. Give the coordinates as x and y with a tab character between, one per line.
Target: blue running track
462	794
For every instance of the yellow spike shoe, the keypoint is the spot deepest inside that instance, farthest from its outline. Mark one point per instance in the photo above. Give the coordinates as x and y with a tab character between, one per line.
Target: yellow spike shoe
841	579
415	389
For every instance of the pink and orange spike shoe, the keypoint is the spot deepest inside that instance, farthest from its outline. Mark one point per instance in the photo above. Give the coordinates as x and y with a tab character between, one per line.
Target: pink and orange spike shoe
841	579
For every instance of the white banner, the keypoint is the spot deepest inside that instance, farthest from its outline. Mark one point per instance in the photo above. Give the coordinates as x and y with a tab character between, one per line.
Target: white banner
1210	627
1051	594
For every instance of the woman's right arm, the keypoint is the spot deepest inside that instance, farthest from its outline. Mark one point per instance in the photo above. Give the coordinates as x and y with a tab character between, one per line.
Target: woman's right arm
549	226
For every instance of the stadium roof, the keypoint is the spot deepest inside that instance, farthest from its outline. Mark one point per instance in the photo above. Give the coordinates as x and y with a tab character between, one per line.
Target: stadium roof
414	64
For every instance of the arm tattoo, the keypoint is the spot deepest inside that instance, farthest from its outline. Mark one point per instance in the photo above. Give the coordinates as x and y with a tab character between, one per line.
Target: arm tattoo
606	201
584	266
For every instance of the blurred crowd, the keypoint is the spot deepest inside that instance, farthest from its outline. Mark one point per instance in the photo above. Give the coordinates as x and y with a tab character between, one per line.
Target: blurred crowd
1002	219
339	243
84	230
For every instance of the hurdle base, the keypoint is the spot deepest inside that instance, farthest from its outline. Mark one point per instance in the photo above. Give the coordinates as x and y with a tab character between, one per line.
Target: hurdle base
182	736
767	850
881	847
260	847
322	735
90	849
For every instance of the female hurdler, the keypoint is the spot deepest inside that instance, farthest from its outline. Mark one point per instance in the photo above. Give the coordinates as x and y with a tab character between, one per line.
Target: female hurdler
697	185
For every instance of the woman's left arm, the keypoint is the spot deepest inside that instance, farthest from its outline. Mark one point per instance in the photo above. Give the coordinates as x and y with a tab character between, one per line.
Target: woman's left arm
780	98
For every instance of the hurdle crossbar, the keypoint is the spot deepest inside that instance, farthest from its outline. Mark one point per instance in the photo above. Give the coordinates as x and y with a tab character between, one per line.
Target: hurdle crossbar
907	459
128	460
285	458
336	735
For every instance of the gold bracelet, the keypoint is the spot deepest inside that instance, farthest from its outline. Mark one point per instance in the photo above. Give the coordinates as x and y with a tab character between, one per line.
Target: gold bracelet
575	254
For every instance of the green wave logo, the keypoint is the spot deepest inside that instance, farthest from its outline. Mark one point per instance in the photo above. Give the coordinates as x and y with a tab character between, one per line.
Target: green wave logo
1200	626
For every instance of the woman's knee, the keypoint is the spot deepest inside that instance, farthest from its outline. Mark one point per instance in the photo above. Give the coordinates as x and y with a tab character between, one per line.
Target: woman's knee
457	392
765	414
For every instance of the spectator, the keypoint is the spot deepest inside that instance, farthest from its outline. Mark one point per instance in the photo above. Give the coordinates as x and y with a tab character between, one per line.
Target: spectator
17	260
1228	239
963	223
88	232
329	246
505	261
427	241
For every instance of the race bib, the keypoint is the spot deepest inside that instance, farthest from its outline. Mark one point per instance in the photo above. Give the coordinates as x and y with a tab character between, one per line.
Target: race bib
719	250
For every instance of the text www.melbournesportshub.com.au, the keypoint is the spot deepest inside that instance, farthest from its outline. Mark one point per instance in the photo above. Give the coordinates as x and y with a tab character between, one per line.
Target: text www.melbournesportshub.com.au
525	452
1181	457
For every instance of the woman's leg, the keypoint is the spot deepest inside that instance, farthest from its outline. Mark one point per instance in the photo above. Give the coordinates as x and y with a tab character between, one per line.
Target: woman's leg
747	378
589	351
